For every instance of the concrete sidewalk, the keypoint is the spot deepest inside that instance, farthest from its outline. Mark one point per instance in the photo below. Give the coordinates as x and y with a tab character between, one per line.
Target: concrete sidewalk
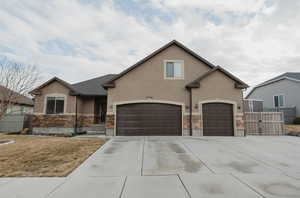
129	167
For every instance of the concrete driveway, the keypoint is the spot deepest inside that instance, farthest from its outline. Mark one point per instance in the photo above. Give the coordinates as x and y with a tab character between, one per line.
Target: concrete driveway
130	167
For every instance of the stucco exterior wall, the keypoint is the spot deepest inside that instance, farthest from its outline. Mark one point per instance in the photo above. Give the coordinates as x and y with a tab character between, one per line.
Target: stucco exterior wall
86	105
289	89
217	86
52	89
147	81
62	123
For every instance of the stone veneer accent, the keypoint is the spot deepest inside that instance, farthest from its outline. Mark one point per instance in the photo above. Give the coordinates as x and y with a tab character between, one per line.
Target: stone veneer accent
240	124
110	121
85	120
197	125
61	121
110	124
60	124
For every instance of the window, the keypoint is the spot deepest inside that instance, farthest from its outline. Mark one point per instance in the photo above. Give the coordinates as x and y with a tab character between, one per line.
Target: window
250	105
55	105
278	101
174	70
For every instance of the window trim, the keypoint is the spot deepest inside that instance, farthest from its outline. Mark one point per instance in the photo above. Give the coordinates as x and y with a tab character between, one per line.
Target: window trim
165	70
283	101
57	95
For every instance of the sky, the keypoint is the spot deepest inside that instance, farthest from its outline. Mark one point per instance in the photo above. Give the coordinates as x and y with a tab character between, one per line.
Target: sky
80	39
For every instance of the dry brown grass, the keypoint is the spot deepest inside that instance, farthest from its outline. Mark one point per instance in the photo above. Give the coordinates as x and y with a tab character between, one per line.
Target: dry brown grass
34	156
292	128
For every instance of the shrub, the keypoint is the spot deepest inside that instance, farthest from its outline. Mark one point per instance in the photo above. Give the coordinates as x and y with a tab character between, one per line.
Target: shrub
297	120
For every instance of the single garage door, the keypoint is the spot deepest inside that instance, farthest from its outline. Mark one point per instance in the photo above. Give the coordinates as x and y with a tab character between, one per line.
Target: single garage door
149	119
217	119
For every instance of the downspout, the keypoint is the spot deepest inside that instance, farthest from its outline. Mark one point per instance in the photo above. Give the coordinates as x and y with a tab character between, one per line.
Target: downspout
243	105
76	118
191	111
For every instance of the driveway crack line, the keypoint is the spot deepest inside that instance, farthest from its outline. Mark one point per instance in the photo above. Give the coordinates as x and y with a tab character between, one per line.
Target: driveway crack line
196	156
246	184
143	152
123	187
184	186
57	187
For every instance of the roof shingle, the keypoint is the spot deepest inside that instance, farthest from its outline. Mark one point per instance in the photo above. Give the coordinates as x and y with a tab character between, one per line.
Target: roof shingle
93	87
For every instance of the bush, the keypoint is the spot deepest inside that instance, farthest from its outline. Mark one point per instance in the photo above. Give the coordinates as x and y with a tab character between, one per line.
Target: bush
297	120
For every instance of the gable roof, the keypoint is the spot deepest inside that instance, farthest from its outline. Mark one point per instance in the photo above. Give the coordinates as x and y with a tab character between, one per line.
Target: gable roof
139	63
18	98
293	76
196	83
93	87
62	82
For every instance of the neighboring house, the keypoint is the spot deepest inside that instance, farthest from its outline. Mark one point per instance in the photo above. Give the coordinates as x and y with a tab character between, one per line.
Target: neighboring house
253	105
19	104
173	91
280	93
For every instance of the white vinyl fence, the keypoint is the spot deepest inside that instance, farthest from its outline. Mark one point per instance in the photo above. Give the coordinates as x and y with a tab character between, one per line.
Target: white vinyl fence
264	123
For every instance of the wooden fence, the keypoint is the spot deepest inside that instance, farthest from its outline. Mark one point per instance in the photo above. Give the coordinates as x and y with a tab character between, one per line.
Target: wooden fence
264	123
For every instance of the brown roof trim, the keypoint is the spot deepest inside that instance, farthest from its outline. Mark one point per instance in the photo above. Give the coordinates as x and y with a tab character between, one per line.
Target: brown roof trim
110	84
64	83
196	83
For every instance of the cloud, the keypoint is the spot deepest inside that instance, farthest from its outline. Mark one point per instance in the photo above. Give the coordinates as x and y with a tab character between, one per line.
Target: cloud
81	39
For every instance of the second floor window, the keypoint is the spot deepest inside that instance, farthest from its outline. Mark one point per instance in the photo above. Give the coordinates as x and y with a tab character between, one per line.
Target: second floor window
278	101
174	70
55	105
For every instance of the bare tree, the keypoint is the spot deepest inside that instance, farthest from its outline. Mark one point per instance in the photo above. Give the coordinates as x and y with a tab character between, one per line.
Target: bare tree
16	80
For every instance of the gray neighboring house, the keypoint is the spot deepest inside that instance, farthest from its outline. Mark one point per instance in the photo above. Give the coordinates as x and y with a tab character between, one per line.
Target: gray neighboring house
281	93
253	105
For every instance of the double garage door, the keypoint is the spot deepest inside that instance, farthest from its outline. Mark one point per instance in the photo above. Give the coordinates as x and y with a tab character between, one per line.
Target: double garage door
156	119
149	119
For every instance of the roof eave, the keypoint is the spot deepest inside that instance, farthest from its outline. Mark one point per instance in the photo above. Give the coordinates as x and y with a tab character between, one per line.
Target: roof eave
192	85
109	85
240	86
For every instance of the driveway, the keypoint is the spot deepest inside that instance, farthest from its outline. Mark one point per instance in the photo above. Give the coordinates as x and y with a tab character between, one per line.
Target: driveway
129	167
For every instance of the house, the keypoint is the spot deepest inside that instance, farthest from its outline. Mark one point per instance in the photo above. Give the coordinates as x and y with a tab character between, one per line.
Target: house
173	91
280	93
18	104
253	105
63	108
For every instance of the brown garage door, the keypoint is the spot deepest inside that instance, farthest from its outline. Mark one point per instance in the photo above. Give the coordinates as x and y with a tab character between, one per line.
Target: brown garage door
149	119
217	119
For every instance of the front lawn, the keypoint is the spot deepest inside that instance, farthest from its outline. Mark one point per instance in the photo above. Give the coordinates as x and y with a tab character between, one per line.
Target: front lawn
293	130
32	156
